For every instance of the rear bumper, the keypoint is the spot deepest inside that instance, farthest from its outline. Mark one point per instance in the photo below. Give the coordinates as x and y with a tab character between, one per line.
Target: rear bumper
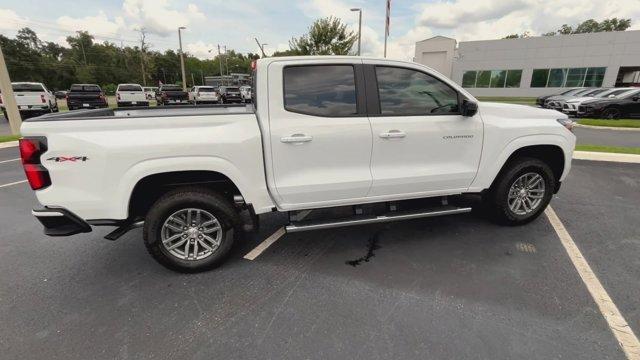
130	103
74	104
60	221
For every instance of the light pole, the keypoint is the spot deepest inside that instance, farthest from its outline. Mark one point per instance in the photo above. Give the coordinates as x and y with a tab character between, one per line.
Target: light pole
359	26
184	76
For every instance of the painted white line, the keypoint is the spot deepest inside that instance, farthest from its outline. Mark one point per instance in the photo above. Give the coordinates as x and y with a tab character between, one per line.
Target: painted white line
253	254
602	156
6	161
618	325
13	183
9	144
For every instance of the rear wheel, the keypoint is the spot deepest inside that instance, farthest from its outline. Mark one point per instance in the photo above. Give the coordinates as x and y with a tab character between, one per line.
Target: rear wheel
522	192
190	229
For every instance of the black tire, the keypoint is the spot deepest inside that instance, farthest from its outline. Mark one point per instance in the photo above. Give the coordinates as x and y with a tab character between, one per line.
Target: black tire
612	113
183	198
496	201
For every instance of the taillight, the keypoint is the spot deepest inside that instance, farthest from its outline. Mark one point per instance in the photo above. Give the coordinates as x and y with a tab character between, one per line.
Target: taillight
118	96
42	99
30	151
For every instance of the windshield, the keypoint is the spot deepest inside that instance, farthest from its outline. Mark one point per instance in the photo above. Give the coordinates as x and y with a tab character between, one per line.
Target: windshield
85	88
629	94
612	93
129	88
595	92
171	88
27	88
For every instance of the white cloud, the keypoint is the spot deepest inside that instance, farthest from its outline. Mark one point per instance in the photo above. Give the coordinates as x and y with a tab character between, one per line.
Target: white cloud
9	20
158	17
99	24
201	49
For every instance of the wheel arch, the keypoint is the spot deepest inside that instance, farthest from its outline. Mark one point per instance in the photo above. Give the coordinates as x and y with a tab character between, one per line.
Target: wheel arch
552	155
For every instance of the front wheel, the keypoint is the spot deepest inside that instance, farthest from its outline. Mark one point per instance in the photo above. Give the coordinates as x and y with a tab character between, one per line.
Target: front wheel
612	113
522	192
190	229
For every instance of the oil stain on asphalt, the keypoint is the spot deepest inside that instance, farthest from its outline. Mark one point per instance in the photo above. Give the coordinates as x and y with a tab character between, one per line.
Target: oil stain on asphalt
372	246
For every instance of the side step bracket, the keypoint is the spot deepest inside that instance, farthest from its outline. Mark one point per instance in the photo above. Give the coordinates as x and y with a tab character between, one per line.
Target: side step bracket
362	220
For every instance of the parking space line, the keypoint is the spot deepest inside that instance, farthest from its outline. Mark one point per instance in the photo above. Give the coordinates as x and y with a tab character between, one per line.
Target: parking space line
618	325
13	183
253	254
6	161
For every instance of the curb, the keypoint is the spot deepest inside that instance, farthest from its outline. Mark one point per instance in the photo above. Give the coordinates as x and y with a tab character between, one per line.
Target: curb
602	156
9	144
606	127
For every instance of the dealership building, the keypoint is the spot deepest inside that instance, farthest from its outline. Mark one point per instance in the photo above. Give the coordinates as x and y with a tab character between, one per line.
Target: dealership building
536	65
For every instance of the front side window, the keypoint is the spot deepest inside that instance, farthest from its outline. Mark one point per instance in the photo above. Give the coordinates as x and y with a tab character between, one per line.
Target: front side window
320	90
408	92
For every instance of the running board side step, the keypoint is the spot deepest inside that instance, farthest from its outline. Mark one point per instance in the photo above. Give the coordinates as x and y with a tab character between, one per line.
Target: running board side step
393	216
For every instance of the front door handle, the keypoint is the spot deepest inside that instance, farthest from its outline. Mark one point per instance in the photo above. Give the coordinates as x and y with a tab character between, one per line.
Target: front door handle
393	134
296	139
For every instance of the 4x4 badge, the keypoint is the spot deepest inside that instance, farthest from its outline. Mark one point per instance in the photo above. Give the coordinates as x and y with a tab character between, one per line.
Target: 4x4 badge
72	158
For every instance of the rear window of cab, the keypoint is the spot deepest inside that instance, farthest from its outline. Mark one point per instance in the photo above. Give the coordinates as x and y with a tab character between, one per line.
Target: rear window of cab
129	88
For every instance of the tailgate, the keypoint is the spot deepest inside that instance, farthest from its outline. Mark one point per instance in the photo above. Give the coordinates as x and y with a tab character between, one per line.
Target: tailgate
29	98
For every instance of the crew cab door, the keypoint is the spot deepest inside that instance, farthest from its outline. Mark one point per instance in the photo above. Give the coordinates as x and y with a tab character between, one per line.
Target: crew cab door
422	145
320	137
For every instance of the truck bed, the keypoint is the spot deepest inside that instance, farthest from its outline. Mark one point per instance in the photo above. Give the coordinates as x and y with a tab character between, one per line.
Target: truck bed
146	112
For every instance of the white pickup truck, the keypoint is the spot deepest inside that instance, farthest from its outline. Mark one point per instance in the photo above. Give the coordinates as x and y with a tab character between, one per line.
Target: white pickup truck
366	136
33	99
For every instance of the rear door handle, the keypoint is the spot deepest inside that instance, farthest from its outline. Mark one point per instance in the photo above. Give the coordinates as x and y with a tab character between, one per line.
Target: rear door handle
393	134
296	138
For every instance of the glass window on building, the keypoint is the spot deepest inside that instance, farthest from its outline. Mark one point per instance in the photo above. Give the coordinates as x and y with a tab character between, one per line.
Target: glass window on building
469	79
498	78
575	77
513	78
557	77
594	77
539	78
484	79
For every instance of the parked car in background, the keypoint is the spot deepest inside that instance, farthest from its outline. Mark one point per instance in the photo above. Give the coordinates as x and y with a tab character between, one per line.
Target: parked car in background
150	92
204	95
60	94
554	102
33	99
86	96
246	93
540	100
570	106
625	105
131	95
171	95
230	94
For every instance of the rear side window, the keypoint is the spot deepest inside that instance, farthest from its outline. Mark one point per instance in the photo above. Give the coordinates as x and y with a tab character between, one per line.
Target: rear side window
321	90
405	92
129	88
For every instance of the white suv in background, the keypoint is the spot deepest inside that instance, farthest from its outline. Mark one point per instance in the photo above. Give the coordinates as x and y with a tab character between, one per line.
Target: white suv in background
33	99
570	106
131	95
203	95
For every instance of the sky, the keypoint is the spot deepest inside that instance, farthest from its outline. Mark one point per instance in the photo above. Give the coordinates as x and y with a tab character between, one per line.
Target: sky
235	23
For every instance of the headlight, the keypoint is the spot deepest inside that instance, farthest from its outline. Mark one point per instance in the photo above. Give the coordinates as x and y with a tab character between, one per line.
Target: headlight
567	123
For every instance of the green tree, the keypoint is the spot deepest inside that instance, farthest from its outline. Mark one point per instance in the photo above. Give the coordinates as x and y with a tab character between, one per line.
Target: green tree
327	36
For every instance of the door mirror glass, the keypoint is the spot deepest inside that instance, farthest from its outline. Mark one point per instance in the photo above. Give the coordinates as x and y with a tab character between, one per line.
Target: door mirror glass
469	108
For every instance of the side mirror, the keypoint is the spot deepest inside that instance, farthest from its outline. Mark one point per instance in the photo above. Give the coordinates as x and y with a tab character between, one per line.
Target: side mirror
635	98
469	108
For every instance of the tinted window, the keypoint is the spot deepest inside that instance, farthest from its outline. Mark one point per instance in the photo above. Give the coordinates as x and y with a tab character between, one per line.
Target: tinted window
410	92
171	88
232	89
205	89
484	78
539	77
129	88
27	87
323	90
85	88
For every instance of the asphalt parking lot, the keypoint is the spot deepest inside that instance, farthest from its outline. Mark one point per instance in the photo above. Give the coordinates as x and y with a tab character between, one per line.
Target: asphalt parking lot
451	287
